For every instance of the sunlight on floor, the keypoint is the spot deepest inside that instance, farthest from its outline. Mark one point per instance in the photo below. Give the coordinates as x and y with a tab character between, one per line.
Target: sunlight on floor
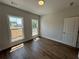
36	39
20	45
17	47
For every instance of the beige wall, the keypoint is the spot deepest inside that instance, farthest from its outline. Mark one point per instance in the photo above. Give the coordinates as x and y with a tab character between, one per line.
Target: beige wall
52	24
6	10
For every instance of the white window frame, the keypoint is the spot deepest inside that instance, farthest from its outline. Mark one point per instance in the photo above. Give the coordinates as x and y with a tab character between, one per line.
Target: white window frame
10	36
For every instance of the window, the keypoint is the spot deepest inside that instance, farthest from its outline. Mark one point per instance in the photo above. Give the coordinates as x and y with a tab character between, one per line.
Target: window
34	27
16	28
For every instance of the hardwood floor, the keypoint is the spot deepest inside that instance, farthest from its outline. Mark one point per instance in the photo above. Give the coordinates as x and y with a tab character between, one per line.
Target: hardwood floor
41	49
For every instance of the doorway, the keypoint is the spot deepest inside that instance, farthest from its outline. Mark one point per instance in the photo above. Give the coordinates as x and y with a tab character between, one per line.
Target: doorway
70	31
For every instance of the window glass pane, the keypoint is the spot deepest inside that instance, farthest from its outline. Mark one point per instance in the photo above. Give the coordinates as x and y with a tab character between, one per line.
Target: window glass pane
34	27
16	28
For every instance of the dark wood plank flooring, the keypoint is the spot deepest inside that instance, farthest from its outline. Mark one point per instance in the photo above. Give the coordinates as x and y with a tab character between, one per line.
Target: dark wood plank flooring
41	49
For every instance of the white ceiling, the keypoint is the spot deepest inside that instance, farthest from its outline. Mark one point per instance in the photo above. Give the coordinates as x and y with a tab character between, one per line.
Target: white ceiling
32	5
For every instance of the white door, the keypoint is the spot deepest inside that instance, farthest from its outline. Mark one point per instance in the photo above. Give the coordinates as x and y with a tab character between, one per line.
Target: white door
70	31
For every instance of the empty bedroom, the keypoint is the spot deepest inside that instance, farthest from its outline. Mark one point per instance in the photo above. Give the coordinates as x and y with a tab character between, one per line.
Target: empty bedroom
39	29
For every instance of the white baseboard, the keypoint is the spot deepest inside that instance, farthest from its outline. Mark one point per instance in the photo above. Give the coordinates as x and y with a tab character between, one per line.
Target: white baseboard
58	41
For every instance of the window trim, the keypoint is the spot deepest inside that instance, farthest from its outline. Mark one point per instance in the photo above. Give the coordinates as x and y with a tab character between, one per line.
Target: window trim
10	29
